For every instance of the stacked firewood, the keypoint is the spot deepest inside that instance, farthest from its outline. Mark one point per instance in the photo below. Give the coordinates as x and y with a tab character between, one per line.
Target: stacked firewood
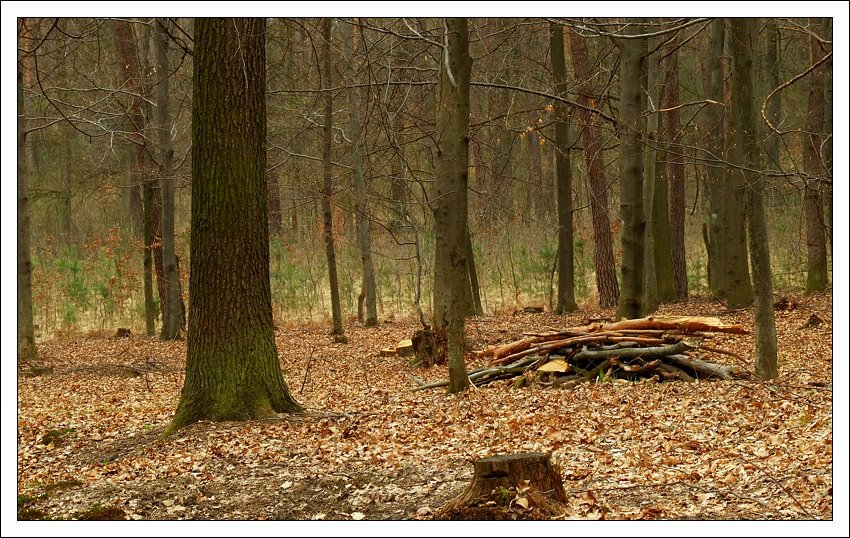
653	348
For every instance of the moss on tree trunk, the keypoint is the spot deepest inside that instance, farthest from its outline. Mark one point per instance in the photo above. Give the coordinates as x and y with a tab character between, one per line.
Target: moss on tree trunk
232	368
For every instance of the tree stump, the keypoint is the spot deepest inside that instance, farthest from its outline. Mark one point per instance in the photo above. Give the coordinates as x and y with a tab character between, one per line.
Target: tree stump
511	486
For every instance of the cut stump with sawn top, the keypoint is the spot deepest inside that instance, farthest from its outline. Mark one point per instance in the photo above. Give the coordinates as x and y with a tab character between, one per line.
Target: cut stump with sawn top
527	482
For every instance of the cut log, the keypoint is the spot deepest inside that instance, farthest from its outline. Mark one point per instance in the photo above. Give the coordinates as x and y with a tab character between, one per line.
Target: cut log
404	347
528	481
702	368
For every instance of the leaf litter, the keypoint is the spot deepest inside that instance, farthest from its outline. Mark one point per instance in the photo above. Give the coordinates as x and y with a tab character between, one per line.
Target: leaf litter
368	448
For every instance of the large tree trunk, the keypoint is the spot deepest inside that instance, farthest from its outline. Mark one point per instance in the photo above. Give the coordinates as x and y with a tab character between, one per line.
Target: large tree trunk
632	72
677	176
745	153
451	274
361	207
232	367
606	270
732	240
816	264
27	352
172	320
564	180
327	185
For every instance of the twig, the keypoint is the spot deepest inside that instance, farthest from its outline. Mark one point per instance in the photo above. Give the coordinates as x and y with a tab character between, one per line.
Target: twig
307	370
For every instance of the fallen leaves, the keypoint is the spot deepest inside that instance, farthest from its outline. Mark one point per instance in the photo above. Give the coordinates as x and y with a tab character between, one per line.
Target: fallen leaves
368	448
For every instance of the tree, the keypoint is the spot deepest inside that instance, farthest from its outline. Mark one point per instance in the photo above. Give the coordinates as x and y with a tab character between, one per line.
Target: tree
606	269
632	73
27	352
138	113
651	100
566	271
361	208
232	368
676	166
816	264
173	320
451	274
327	183
744	152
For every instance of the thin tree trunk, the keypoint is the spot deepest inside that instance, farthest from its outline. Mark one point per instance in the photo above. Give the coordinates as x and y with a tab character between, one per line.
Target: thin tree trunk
137	113
651	244
816	265
745	152
660	225
770	82
451	274
828	128
275	209
65	189
361	207
677	176
716	137
327	186
606	270
232	366
632	72
172	320
150	312
477	309
27	351
566	271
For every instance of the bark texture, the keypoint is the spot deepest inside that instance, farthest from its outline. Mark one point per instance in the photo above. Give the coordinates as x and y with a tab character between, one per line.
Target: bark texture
327	182
745	152
564	180
173	320
361	200
232	367
606	270
27	352
632	72
734	272
451	274
816	261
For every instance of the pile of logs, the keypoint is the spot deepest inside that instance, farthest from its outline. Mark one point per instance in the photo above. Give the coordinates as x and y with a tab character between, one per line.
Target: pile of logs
653	348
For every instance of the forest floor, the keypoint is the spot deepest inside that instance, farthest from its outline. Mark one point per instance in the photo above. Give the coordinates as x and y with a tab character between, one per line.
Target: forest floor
90	439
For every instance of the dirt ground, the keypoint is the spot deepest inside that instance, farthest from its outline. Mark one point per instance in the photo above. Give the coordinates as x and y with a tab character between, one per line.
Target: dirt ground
90	443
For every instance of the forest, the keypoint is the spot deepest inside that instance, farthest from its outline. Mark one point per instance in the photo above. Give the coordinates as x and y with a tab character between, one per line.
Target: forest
442	269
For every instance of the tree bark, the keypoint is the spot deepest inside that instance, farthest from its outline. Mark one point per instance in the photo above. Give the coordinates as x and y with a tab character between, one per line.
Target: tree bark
606	271
172	320
65	242
651	101
564	180
745	152
530	475
451	273
137	113
327	185
27	351
716	136
232	368
361	207
732	240
677	177
632	72
816	261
